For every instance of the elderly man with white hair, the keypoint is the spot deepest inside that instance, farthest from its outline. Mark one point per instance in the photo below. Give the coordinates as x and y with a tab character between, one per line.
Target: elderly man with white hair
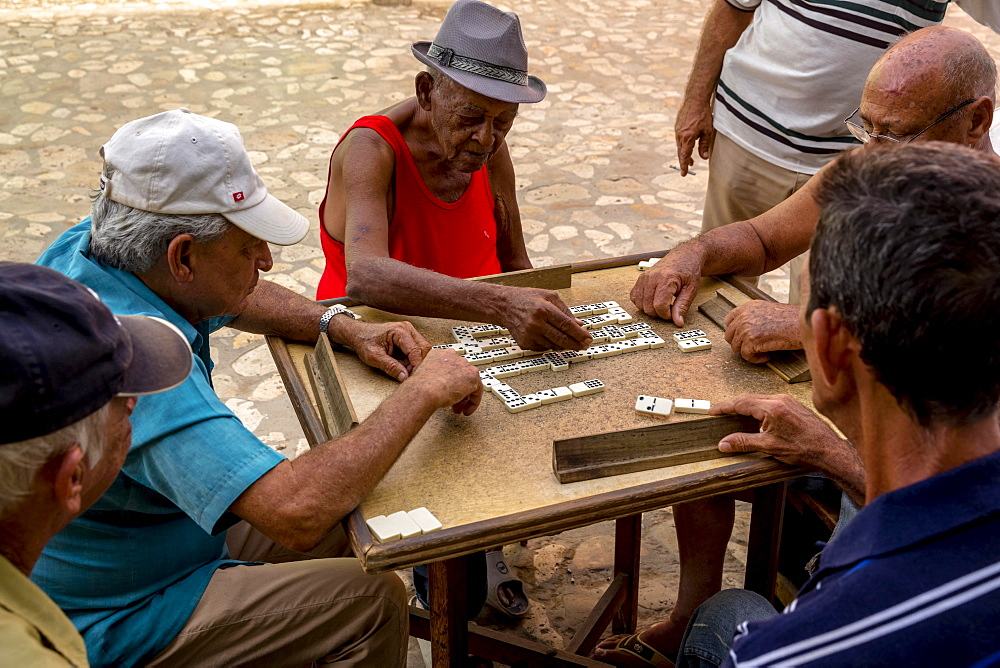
211	547
70	375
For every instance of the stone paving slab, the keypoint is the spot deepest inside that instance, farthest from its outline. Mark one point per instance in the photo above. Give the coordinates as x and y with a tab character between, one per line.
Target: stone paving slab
593	163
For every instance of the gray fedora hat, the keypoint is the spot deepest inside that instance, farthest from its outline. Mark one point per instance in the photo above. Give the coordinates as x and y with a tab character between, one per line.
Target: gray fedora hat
481	48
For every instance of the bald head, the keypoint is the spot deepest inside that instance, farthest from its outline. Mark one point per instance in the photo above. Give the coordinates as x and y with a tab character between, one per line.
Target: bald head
952	62
926	75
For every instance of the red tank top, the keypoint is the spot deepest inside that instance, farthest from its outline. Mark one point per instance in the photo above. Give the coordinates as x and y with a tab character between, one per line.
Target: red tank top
457	239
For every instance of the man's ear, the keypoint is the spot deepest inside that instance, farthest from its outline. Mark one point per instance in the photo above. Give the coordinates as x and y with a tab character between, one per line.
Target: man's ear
179	253
835	348
68	473
982	119
424	84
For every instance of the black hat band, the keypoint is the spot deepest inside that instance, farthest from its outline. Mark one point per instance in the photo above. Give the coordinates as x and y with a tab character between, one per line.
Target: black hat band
447	58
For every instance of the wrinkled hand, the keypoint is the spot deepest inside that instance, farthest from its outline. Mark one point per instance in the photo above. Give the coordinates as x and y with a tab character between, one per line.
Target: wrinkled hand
539	320
789	431
448	380
693	124
757	327
394	347
667	290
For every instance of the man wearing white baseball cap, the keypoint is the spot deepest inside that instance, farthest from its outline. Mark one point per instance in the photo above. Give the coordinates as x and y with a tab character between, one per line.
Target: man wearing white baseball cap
70	375
210	547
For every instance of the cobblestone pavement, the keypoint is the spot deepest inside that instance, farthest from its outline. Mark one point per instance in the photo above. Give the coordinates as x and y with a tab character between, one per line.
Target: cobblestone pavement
593	163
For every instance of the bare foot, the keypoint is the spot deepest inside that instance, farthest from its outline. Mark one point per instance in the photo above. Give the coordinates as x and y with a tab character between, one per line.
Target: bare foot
664	637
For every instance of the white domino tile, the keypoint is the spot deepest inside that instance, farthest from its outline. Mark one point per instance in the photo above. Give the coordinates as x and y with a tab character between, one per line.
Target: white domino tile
693	345
554	395
479	358
425	519
383	529
574	356
457	347
502	387
634	345
598	321
625	319
407	527
613	333
522	404
689	334
491	382
692	405
653	405
586	387
634	329
581	311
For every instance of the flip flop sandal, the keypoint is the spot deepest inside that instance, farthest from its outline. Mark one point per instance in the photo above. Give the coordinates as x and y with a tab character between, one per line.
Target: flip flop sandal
497	575
633	646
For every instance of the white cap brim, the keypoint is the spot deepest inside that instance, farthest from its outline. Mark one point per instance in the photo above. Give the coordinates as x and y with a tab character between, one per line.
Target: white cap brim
271	220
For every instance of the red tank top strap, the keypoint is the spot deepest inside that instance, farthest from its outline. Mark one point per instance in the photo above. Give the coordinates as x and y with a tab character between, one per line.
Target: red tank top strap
454	238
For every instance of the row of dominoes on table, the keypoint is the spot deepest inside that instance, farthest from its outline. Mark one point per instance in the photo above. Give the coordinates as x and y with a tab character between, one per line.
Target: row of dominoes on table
514	402
403	524
661	407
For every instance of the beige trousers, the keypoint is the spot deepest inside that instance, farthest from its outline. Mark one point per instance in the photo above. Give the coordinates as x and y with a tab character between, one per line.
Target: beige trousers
742	186
296	610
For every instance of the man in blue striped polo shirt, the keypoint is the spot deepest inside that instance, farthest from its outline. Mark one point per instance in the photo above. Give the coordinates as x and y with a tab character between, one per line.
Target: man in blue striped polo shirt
905	361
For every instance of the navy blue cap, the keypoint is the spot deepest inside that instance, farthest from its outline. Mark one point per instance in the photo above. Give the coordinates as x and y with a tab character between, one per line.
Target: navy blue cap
63	354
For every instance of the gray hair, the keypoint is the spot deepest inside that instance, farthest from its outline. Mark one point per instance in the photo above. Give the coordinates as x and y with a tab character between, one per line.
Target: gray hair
907	249
970	73
21	461
133	240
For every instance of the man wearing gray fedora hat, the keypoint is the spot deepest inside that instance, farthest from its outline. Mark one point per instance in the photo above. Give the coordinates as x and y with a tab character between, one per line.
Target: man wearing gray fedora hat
422	193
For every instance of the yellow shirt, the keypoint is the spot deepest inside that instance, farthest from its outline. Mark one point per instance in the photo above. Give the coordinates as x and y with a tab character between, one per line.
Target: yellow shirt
33	630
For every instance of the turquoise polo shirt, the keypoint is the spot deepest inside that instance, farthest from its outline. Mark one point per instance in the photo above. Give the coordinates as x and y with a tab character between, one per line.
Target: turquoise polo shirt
131	569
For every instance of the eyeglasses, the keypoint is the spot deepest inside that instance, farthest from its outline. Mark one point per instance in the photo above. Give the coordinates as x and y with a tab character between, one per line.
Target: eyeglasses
864	136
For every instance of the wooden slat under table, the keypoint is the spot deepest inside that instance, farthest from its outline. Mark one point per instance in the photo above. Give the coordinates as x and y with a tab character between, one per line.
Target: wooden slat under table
488	478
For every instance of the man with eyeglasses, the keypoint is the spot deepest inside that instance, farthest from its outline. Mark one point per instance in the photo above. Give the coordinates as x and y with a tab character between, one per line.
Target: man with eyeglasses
935	84
770	86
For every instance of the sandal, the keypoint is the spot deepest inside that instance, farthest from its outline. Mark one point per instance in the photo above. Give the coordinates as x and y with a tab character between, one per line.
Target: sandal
634	646
497	575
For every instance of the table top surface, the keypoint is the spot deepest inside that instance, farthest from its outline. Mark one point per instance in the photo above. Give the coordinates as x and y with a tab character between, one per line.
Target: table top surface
488	477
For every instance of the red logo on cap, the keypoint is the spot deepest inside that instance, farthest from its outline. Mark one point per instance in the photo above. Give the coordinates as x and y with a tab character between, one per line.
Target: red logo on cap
238	197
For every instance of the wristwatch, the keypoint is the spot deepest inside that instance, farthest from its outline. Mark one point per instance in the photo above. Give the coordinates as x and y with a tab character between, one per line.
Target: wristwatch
324	320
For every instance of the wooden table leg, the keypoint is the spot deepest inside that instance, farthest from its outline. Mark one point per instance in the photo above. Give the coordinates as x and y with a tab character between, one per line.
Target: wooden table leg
628	533
765	539
449	628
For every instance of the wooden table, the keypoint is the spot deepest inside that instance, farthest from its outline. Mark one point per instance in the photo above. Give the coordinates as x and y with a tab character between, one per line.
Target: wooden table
488	478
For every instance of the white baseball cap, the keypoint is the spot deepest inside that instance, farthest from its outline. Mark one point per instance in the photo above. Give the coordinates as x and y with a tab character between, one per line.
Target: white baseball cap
178	162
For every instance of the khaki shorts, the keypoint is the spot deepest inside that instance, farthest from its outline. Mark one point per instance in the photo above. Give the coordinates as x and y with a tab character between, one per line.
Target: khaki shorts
295	610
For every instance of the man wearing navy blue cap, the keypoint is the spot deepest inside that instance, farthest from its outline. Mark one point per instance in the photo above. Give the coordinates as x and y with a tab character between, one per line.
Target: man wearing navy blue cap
70	375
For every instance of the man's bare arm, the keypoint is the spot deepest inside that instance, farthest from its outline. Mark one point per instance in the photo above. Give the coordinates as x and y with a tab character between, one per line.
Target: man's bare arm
298	502
749	248
723	26
395	347
536	318
795	435
511	251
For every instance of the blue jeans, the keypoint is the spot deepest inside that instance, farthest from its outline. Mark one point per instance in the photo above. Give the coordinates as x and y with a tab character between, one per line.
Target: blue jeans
709	634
